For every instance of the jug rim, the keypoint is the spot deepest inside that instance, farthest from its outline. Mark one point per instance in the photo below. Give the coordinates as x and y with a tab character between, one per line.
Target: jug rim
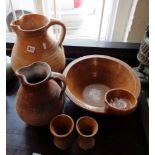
23	77
13	23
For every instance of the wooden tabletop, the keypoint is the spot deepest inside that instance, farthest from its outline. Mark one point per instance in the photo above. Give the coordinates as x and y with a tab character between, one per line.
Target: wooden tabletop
116	136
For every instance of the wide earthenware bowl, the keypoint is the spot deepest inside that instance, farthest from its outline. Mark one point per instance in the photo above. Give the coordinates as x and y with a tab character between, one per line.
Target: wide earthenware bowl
90	77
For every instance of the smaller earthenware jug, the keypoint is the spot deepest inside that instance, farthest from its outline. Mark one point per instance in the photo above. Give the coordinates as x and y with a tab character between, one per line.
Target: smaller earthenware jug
39	97
33	42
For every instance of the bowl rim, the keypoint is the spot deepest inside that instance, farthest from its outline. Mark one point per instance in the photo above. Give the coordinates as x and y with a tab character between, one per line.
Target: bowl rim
88	107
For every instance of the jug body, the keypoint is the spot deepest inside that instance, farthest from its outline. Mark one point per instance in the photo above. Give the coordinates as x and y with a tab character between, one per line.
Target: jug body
39	97
34	43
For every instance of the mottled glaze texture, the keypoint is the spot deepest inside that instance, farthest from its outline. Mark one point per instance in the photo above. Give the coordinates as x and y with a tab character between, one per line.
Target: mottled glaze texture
34	43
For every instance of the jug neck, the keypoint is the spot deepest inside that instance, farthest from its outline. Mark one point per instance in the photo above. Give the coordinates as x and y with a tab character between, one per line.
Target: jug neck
34	75
30	24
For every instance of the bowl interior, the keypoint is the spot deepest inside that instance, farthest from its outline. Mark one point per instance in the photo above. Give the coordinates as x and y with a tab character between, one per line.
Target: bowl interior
89	78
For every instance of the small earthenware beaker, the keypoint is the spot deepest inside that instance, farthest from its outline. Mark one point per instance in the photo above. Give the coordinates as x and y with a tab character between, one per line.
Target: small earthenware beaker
120	101
87	128
62	127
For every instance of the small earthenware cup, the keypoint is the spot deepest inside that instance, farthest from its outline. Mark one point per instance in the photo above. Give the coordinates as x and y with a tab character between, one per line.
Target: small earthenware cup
62	127
87	128
120	101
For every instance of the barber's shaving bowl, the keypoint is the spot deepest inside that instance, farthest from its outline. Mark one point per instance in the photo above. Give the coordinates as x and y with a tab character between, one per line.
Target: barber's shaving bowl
90	77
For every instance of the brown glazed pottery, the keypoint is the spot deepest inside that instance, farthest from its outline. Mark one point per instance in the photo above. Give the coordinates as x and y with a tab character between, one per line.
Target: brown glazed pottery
90	77
87	128
39	97
33	42
61	128
120	101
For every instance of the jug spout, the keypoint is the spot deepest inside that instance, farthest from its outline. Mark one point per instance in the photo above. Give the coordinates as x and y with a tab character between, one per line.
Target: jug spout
15	25
20	76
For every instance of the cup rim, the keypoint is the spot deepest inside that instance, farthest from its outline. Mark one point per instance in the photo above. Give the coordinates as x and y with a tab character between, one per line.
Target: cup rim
63	135
78	130
114	108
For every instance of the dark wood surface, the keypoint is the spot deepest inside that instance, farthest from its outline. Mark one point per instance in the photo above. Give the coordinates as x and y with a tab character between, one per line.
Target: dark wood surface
116	136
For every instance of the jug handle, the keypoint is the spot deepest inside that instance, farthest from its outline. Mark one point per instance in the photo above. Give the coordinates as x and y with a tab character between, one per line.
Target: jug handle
63	29
61	78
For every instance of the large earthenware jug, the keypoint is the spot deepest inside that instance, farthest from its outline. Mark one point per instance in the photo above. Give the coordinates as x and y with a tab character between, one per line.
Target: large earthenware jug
34	43
39	97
